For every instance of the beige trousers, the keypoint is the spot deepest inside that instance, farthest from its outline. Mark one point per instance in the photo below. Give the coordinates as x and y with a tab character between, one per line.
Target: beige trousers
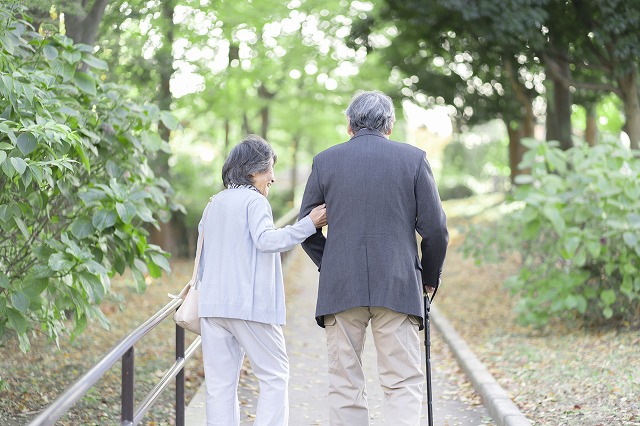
397	343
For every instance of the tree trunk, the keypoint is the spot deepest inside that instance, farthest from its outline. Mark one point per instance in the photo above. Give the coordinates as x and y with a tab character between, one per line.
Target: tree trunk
552	128
516	150
246	127
294	167
171	236
629	86
83	29
591	128
227	136
562	102
267	96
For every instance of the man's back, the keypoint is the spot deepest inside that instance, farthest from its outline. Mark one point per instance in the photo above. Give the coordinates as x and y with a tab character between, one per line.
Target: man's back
375	190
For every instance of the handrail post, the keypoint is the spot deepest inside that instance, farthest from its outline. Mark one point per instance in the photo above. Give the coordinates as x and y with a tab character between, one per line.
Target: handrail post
180	408
126	415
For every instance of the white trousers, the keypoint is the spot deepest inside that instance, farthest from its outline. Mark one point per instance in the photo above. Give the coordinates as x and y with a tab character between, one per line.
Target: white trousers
224	343
399	367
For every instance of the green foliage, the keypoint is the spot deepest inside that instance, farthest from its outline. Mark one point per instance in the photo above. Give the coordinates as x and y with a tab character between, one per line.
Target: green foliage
576	223
77	192
475	162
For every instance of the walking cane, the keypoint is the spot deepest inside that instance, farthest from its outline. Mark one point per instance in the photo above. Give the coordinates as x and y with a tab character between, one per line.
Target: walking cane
427	345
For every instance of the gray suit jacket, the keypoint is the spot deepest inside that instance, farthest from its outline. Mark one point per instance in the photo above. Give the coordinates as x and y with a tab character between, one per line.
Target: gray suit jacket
378	194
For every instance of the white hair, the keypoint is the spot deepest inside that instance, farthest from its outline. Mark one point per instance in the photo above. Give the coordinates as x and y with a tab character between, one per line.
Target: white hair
371	110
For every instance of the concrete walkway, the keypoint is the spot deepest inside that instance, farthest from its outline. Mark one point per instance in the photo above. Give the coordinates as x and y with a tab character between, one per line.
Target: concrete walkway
455	401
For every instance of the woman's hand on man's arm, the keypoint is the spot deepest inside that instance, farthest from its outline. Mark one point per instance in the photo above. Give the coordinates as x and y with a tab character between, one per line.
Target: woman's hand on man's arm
319	215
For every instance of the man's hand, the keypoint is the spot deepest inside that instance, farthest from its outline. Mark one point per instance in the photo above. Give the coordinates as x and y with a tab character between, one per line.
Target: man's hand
428	289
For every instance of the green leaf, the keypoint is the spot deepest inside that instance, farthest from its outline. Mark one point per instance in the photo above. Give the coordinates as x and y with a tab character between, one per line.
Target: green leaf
139	280
23	228
85	83
580	257
63	69
145	214
58	262
71	57
17	320
3	156
570	246
83	157
140	265
160	260
19	165
104	219
4	280
169	120
5	212
608	297
23	339
50	52
152	141
36	172
94	267
27	143
20	301
126	211
93	285
91	195
553	214
94	62
119	265
570	302
82	227
630	239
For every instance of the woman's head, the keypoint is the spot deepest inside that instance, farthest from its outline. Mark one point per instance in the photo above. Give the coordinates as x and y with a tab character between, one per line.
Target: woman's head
371	110
250	163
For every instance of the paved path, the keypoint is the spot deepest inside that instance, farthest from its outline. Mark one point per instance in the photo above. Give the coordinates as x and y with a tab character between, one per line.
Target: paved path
455	401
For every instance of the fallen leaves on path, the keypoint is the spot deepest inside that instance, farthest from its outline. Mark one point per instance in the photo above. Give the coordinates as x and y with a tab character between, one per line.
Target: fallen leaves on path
566	374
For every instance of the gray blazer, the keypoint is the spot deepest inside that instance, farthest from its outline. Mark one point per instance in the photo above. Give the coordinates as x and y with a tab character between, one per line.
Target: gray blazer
378	194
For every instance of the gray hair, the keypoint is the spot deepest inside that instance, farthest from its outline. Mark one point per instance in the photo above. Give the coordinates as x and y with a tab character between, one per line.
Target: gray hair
252	155
371	110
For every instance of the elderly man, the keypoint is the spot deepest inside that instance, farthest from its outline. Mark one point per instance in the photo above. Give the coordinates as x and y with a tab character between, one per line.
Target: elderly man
378	194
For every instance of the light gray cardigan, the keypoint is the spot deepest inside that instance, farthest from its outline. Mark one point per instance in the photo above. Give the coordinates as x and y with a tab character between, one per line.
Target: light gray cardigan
240	274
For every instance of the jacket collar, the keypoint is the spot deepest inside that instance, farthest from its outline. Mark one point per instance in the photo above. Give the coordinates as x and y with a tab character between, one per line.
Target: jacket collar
368	132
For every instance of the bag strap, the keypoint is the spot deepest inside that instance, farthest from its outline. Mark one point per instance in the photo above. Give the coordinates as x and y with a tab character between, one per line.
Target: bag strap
196	264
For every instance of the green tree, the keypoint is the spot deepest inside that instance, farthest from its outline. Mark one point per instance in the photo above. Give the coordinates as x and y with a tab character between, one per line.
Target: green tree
76	184
585	45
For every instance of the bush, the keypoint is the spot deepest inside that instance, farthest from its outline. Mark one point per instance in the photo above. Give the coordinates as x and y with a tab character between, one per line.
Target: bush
77	191
475	163
576	225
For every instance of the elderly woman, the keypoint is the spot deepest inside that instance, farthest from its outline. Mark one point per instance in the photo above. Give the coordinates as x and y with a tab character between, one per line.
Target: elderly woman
241	303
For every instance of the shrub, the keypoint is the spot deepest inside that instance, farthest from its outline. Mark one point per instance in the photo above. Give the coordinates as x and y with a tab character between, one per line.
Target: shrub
76	189
576	224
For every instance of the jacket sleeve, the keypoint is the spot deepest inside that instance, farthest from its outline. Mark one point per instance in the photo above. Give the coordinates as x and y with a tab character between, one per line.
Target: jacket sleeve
265	235
313	196
431	225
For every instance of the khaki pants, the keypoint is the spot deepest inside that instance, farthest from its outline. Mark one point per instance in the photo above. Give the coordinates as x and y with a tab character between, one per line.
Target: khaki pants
398	348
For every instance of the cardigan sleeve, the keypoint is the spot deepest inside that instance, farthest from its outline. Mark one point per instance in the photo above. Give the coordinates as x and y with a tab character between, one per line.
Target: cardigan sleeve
269	239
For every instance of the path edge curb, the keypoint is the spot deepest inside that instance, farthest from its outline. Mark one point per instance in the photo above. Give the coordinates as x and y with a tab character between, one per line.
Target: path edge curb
498	403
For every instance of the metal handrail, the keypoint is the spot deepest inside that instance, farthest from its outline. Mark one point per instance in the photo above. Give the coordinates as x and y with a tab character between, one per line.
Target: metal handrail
124	351
81	386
